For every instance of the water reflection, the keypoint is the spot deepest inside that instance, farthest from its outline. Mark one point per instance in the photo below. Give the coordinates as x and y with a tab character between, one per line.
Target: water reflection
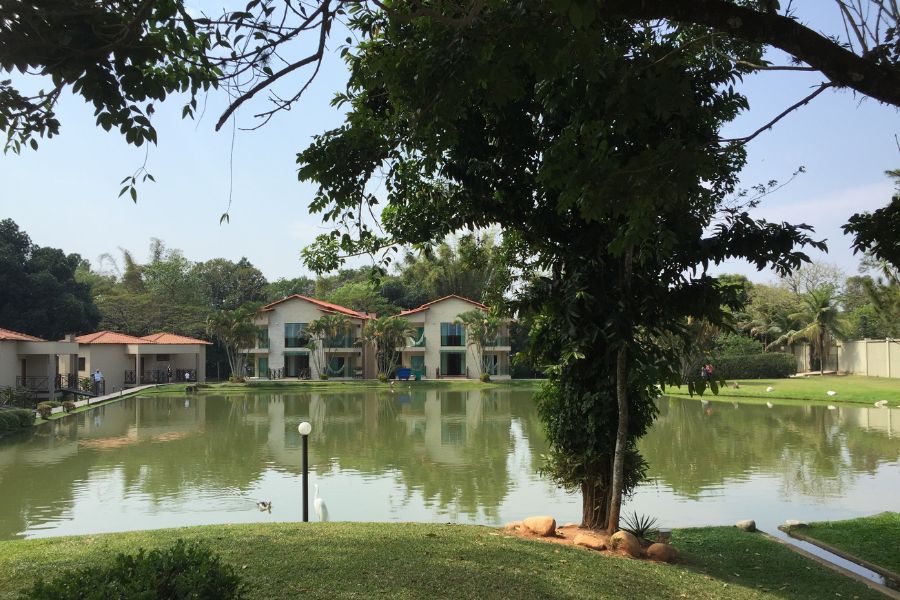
418	454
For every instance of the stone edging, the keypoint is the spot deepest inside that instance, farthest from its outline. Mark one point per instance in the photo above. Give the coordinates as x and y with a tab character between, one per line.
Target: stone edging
837	568
887	574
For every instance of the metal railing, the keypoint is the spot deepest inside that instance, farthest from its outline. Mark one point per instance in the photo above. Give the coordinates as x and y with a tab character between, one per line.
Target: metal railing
340	341
453	340
500	340
498	370
33	383
17	397
416	343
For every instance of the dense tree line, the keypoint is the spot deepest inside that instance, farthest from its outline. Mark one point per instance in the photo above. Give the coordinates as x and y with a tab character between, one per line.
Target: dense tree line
40	293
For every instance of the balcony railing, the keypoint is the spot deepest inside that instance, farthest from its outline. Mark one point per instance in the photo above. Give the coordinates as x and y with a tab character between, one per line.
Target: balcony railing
500	340
34	383
296	342
341	341
453	340
262	343
416	343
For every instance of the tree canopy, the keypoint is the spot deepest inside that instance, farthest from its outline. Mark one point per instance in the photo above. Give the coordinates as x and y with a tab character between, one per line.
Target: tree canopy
40	294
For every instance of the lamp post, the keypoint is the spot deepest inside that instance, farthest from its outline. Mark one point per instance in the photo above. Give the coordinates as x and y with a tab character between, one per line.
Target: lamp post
305	428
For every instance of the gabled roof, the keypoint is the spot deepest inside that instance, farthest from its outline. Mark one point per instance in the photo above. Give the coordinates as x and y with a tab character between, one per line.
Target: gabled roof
109	337
170	338
327	306
428	305
8	334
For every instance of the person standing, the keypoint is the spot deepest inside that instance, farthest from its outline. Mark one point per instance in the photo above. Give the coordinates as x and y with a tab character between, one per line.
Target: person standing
98	381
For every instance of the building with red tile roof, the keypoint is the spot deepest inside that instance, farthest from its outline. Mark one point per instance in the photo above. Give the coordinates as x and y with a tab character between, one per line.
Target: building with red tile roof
282	344
127	361
31	362
440	347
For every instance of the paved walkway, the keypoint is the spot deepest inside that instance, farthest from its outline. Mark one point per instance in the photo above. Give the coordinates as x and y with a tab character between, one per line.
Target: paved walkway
119	394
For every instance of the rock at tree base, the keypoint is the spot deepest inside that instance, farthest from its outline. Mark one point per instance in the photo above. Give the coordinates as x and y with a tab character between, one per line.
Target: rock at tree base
594	542
512	527
746	525
625	542
542	526
662	553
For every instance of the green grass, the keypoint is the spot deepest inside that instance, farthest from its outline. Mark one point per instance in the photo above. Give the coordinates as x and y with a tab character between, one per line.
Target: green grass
849	388
366	560
337	386
874	539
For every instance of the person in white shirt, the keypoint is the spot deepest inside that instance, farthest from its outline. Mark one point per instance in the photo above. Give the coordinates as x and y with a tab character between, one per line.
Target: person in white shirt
98	378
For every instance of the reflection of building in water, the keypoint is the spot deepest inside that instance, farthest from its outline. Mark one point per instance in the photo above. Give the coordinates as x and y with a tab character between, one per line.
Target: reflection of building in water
886	420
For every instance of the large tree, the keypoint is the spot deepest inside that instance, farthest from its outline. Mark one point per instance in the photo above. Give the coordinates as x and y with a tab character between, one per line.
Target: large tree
607	136
40	293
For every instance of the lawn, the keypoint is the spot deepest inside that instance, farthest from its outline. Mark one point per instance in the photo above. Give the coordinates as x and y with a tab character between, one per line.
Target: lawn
873	539
849	388
405	560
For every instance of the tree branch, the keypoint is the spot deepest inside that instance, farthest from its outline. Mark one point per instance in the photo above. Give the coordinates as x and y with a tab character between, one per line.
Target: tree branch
743	140
842	67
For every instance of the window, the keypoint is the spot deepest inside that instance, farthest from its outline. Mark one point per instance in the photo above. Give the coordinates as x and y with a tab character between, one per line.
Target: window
81	363
453	334
262	337
295	335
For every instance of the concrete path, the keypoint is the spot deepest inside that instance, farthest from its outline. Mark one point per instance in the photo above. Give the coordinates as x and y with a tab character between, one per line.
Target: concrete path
119	394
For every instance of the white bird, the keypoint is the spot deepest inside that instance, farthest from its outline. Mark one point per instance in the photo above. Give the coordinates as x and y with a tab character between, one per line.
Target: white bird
881	403
770	389
831	393
264	505
319	505
832	407
769	404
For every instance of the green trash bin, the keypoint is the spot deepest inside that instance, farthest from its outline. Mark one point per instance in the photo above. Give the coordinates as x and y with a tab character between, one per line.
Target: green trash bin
418	375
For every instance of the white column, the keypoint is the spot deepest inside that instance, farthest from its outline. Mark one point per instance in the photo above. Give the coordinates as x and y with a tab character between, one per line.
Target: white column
887	354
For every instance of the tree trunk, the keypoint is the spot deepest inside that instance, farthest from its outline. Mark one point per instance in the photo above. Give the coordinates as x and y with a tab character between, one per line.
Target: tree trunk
594	506
618	473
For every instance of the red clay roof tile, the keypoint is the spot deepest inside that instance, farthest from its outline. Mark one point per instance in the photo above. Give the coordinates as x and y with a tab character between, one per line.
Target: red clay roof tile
321	304
8	334
427	305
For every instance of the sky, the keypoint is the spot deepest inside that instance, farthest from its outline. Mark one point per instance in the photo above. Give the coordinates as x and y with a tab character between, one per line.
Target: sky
65	195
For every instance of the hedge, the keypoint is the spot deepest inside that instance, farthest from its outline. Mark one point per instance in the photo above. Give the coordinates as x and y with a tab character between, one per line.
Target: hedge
755	366
16	418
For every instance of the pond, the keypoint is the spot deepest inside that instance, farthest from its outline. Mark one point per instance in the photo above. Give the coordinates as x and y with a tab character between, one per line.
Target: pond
428	455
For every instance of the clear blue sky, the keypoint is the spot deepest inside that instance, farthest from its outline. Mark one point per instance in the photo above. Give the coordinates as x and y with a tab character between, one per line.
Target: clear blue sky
65	194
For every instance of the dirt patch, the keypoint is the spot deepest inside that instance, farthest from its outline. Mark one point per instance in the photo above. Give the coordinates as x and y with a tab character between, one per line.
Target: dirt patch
566	535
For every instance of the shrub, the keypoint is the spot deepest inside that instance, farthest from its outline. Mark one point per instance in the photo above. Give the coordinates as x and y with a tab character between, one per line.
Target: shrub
182	571
755	366
323	376
16	418
642	526
46	407
68	405
382	378
485	378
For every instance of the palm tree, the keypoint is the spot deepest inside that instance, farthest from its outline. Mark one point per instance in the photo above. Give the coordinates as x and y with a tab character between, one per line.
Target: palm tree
387	335
481	330
823	320
326	332
235	330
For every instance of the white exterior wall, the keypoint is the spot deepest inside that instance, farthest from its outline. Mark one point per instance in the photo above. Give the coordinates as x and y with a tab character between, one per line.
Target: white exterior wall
447	311
297	310
9	362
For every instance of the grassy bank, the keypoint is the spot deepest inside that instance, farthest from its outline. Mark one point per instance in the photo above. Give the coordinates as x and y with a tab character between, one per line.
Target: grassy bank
849	388
300	386
363	560
873	539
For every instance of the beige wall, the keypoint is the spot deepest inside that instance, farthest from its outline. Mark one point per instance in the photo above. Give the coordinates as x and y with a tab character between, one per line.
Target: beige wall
9	362
446	312
874	358
300	311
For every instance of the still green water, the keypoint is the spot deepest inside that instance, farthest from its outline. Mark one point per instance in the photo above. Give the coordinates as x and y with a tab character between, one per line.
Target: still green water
428	455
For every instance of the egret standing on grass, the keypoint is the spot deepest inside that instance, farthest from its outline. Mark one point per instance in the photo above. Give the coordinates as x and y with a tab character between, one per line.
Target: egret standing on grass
319	505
